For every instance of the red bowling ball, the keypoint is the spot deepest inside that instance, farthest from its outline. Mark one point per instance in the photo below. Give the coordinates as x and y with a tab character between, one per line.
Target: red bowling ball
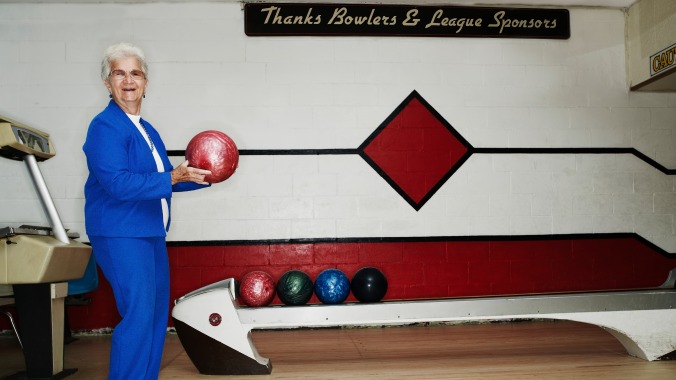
257	289
215	151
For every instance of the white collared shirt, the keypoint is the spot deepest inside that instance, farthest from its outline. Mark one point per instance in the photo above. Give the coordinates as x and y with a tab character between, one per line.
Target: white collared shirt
158	161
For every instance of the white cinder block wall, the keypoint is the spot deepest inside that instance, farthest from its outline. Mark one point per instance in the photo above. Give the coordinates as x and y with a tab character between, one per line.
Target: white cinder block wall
332	92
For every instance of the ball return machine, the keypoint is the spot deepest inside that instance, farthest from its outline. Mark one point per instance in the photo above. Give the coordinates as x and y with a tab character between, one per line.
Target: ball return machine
37	261
216	332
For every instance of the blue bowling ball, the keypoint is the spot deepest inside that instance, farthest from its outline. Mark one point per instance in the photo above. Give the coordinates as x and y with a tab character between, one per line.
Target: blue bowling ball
332	286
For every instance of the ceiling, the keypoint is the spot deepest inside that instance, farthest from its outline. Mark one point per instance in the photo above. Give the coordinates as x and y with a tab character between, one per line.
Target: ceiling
515	3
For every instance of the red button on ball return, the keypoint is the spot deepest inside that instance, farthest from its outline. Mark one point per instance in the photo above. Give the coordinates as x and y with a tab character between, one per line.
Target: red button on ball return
215	319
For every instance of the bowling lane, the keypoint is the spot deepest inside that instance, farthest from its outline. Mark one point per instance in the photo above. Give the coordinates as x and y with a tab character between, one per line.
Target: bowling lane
528	349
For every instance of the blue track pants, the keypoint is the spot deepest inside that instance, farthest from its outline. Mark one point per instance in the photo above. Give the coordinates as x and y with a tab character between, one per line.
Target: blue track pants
138	271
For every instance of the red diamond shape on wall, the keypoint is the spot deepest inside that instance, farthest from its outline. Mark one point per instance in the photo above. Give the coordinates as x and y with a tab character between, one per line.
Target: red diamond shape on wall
415	150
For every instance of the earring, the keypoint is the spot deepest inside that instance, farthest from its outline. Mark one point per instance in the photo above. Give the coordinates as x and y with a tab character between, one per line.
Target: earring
144	96
110	96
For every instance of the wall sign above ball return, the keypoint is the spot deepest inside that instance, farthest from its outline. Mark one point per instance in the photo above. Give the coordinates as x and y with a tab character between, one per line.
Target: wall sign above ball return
288	19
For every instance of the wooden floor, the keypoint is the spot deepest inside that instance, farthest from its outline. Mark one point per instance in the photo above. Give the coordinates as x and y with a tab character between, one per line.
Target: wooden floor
514	350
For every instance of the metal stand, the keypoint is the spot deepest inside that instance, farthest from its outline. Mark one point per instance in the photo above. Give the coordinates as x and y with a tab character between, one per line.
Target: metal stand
46	199
216	332
40	313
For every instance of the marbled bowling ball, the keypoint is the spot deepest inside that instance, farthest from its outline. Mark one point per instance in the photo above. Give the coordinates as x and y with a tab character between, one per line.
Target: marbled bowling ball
369	284
332	286
257	289
215	151
294	288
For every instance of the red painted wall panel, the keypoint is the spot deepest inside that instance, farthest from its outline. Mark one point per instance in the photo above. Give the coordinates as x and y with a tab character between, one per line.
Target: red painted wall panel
415	269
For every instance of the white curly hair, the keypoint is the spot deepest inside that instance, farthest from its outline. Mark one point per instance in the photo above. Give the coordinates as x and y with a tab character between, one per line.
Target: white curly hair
122	50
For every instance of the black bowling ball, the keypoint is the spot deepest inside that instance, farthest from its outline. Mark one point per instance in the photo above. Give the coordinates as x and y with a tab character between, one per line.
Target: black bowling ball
369	285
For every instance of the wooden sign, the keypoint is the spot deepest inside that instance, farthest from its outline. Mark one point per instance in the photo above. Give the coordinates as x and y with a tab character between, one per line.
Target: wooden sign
663	60
284	19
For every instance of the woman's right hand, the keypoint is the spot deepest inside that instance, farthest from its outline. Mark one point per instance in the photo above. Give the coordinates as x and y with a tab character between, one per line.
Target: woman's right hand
185	173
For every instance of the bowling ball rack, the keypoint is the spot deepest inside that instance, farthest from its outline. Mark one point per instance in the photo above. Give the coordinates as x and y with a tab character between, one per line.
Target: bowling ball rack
216	331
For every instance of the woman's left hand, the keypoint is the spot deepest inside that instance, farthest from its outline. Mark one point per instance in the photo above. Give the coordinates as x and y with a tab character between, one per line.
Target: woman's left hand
185	173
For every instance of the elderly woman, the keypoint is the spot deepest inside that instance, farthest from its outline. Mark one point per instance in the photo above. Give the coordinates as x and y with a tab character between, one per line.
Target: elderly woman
128	198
